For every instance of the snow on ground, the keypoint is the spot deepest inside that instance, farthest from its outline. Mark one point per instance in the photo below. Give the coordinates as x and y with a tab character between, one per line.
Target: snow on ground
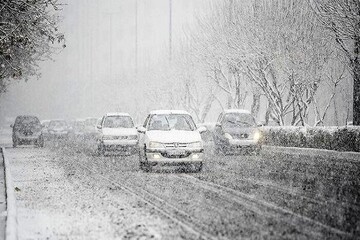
54	204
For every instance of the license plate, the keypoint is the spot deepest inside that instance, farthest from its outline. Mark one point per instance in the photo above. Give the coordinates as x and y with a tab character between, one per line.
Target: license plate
176	153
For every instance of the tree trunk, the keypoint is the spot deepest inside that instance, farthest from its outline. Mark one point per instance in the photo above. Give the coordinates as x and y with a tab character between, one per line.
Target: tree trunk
255	105
356	89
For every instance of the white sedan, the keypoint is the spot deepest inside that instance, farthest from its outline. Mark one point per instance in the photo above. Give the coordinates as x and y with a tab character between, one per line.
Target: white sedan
117	134
170	137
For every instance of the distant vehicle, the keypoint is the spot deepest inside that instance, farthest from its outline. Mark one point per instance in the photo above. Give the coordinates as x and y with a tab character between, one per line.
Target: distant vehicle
27	130
58	128
78	129
117	134
170	137
90	127
45	128
236	131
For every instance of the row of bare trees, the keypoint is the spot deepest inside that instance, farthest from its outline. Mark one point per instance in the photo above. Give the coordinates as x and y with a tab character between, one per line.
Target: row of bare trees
278	53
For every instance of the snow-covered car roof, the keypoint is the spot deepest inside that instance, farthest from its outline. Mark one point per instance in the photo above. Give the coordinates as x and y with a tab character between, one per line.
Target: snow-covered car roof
169	112
236	111
117	114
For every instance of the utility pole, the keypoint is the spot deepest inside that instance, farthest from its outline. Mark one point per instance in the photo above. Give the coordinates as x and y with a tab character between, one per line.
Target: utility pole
136	37
170	29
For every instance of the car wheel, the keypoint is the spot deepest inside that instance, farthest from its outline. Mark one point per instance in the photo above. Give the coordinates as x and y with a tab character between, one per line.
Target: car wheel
144	165
198	167
15	143
100	150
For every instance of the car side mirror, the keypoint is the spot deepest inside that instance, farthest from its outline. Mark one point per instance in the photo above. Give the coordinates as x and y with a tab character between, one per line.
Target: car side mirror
98	126
141	129
218	124
202	129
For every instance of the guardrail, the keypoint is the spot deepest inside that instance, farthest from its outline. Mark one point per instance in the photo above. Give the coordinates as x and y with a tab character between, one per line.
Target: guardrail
11	219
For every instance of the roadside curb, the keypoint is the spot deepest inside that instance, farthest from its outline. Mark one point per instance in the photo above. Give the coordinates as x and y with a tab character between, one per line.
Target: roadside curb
11	219
348	156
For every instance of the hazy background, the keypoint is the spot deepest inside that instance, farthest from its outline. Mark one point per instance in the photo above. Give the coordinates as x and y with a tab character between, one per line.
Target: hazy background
96	72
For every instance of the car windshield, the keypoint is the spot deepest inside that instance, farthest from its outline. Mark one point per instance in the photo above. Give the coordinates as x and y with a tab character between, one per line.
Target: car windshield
167	122
233	120
27	121
57	124
118	122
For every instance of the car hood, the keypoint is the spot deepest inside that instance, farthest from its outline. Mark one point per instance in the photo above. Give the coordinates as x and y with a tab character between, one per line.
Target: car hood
58	129
119	131
173	136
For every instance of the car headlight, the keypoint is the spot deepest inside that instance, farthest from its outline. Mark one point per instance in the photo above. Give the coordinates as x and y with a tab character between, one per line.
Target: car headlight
108	137
195	145
132	137
228	136
257	136
156	145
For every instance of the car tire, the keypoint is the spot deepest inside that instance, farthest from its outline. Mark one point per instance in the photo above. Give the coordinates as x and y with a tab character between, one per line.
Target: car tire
15	143
100	150
144	165
198	167
40	142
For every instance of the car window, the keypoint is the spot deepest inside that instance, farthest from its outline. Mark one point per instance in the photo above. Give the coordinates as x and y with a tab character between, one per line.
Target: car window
118	122
220	117
166	122
146	121
233	120
28	121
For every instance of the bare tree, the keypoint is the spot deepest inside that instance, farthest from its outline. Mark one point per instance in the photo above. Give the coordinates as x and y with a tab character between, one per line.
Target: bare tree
342	18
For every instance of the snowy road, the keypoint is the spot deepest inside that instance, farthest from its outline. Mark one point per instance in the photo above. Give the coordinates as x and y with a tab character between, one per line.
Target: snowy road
66	191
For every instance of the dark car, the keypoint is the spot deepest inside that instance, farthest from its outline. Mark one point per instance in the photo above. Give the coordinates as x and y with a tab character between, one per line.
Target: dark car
236	131
27	130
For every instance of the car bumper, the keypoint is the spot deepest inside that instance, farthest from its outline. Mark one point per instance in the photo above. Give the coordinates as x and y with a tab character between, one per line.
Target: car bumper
239	145
164	157
28	138
242	142
125	146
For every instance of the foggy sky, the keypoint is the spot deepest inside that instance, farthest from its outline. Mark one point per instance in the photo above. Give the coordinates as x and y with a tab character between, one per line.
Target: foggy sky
97	68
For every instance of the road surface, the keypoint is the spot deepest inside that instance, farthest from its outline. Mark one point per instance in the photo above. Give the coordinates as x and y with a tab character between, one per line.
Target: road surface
66	191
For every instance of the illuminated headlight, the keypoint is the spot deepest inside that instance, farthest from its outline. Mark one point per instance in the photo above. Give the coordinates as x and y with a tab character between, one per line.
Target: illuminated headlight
195	145
195	156
228	136
109	137
155	145
132	137
257	136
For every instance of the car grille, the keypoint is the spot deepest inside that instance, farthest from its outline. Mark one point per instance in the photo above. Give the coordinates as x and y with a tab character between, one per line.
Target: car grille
175	145
241	136
185	155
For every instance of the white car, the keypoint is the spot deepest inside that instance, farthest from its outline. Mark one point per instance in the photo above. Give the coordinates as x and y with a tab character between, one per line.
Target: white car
170	137
117	134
